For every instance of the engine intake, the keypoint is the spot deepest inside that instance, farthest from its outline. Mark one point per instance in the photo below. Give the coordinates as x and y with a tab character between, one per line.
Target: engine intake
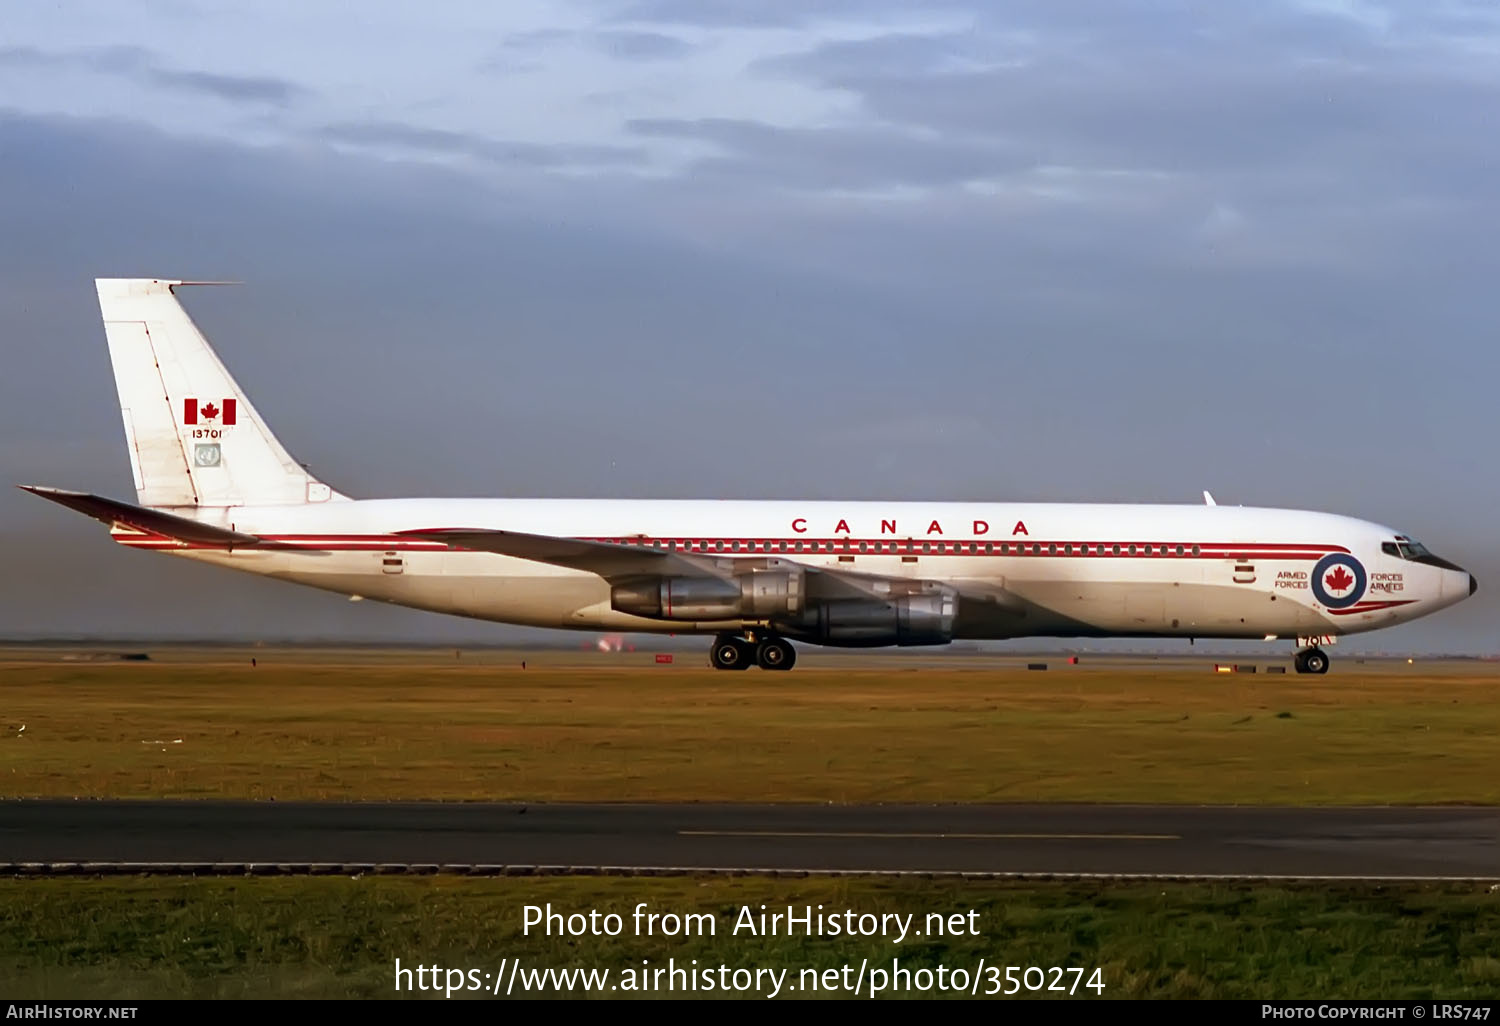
757	594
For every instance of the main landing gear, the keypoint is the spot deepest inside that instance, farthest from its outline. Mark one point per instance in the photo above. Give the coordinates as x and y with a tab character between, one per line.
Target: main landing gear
1311	660
769	652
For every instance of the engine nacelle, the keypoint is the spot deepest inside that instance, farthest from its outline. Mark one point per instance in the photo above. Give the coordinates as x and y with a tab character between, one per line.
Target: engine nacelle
753	595
920	618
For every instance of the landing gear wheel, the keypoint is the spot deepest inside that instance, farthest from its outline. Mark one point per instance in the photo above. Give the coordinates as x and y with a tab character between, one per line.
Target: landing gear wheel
731	653
1314	660
775	654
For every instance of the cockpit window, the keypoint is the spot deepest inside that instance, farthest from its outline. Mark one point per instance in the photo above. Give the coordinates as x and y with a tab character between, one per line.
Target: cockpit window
1405	548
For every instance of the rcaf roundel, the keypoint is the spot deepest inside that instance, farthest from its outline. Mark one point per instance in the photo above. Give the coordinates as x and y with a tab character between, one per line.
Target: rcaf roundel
1338	581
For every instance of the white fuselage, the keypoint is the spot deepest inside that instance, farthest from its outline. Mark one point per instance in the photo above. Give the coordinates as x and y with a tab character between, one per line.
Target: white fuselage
1023	569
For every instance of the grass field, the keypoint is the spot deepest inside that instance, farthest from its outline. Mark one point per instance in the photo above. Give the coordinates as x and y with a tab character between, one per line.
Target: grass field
327	937
305	724
300	726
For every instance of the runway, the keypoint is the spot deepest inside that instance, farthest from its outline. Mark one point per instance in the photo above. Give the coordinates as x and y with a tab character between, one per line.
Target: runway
41	836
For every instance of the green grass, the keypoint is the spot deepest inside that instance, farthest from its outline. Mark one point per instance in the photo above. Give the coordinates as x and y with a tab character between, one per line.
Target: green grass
338	937
428	729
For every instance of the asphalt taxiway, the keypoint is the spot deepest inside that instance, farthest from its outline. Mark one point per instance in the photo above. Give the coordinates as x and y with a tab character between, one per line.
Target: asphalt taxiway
38	836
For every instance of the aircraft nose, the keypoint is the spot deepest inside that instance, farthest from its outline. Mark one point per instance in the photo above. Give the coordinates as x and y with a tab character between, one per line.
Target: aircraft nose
1453	583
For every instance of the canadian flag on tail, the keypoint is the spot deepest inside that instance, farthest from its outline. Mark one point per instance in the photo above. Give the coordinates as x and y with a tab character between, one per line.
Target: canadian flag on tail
223	412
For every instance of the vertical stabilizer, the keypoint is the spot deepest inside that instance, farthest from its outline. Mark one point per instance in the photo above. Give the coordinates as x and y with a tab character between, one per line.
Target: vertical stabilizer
194	439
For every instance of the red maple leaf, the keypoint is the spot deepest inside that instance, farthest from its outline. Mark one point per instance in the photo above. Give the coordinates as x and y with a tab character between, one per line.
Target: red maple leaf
209	411
1339	579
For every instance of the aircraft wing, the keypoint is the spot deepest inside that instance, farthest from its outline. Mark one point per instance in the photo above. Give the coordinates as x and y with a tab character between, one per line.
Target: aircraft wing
609	560
616	562
151	521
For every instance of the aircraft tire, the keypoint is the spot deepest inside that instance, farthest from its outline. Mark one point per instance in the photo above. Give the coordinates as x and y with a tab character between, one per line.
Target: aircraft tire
775	653
730	653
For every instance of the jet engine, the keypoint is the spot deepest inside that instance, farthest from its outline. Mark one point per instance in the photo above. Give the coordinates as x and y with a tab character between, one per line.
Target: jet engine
756	594
921	618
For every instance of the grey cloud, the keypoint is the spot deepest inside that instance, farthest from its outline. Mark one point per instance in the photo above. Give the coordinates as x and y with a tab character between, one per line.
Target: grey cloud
1275	109
437	140
897	53
642	46
1093	93
235	88
857	157
516	51
141	65
759	13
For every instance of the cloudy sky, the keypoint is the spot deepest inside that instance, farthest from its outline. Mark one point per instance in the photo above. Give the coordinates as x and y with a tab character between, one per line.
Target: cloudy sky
761	248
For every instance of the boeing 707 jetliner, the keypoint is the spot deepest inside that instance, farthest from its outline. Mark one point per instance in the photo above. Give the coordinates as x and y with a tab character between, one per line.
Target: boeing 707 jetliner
213	484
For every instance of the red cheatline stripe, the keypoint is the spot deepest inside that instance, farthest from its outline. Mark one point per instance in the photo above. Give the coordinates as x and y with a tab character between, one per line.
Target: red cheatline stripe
1369	607
861	546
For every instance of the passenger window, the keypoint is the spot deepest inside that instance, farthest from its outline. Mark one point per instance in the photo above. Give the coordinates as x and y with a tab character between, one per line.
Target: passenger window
1195	550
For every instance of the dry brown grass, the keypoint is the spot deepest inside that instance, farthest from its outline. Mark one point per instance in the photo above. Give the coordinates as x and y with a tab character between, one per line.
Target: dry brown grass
307	727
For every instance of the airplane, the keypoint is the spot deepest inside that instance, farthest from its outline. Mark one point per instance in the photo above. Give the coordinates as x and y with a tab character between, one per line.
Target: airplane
213	484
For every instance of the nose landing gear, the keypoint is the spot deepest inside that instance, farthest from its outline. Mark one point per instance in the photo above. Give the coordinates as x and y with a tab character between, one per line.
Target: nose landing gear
1311	660
731	652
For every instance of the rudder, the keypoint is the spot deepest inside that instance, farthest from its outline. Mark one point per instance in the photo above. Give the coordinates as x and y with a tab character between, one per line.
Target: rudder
193	437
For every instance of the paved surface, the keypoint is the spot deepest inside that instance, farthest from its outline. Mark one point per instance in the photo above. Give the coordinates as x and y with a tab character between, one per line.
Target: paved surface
1019	839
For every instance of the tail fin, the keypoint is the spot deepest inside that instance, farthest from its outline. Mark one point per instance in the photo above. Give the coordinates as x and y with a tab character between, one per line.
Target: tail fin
194	438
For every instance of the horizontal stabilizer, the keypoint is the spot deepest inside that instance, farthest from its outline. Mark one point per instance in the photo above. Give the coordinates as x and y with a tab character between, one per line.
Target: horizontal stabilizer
112	512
